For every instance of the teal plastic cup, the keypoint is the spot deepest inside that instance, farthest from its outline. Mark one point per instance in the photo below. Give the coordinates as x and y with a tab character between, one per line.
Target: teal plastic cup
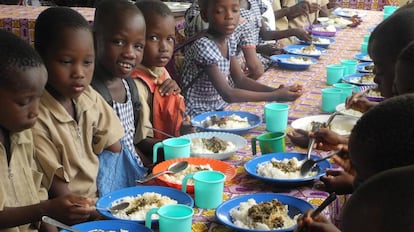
364	47
276	116
208	188
350	66
334	73
171	218
389	9
331	97
346	88
173	148
270	142
366	38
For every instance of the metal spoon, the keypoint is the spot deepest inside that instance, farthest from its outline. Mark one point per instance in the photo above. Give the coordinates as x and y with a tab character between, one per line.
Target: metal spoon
315	127
173	168
159	131
53	222
116	208
310	163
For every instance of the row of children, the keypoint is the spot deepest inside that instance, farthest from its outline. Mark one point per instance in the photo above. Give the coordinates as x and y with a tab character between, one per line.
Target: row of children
74	126
382	139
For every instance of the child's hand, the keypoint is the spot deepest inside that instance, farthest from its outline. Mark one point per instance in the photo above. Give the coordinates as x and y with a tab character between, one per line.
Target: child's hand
70	209
359	102
169	86
289	93
328	140
319	224
300	8
314	7
299	137
302	34
186	127
268	50
338	181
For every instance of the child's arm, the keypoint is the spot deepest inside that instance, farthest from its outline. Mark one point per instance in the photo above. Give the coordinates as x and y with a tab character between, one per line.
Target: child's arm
253	63
246	88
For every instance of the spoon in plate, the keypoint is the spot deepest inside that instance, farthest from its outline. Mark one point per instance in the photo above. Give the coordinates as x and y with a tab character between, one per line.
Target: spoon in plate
308	165
116	208
58	224
173	168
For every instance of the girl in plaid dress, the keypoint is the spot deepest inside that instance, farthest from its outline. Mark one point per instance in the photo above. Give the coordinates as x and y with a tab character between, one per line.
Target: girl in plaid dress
212	76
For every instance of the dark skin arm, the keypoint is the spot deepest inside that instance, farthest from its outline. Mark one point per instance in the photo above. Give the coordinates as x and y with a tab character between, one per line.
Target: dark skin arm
169	86
253	63
319	224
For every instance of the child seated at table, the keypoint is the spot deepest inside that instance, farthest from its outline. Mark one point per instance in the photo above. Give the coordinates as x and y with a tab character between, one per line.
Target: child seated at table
212	76
316	8
381	140
75	123
22	198
166	111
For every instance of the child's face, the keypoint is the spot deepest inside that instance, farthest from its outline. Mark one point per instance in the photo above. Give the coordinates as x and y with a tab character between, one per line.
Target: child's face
159	45
70	63
20	104
223	16
383	69
120	47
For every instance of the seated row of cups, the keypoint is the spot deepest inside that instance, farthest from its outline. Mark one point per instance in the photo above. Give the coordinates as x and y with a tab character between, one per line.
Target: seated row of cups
332	97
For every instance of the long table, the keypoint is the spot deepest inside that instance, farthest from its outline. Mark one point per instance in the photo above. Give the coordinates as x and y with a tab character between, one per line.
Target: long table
347	44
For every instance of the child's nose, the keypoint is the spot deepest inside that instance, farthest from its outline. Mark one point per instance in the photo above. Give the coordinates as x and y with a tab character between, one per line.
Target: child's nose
129	51
34	110
78	72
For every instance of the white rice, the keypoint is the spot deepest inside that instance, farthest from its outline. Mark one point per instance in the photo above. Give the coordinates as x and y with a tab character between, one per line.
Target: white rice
198	147
154	200
233	122
177	178
299	60
267	169
241	218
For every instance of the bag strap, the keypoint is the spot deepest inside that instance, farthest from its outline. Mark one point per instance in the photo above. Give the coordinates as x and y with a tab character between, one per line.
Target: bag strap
101	88
136	104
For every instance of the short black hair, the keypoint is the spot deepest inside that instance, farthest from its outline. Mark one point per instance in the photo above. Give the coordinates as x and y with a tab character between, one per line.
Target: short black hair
153	7
52	21
15	54
383	203
108	10
383	138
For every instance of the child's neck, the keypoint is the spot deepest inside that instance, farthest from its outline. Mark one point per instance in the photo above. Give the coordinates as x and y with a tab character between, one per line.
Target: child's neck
5	140
103	74
217	37
67	103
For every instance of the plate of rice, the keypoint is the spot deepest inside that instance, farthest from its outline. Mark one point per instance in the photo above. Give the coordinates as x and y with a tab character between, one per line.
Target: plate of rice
284	168
282	209
141	199
110	225
365	67
237	122
194	164
305	50
366	79
349	112
293	62
341	124
215	145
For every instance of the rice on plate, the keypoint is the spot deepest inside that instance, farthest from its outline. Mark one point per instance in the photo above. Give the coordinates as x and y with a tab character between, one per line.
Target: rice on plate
283	169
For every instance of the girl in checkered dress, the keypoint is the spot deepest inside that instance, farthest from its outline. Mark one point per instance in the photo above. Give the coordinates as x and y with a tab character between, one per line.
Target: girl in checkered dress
212	76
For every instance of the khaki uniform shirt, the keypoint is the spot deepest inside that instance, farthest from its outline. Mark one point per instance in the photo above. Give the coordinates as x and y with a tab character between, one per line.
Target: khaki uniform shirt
281	23
68	148
20	183
145	97
301	21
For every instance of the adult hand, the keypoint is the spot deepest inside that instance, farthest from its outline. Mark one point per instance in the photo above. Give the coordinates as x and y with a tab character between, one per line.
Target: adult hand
69	209
338	181
318	224
359	102
169	86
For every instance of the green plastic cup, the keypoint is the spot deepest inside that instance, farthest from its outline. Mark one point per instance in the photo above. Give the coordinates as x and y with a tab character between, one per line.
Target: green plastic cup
208	188
171	218
346	88
276	116
173	148
364	47
334	73
350	66
331	97
366	38
389	9
270	142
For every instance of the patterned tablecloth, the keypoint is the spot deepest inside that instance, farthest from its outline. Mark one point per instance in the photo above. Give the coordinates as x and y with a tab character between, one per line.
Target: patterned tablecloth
20	20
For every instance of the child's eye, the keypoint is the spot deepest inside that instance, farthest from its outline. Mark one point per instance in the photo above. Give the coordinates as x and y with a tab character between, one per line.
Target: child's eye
65	61
153	38
119	42
24	102
88	62
171	39
139	46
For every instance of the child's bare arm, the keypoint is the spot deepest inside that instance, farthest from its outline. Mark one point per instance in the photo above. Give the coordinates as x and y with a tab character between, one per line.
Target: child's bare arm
169	86
115	148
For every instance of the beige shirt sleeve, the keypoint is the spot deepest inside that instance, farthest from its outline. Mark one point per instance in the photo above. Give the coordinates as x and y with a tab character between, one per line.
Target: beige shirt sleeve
145	114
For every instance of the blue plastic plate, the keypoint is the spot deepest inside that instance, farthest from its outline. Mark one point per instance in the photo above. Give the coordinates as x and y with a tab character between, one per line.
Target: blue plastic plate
319	44
363	57
348	13
295	49
361	67
283	61
253	119
356	79
296	206
251	167
107	200
111	225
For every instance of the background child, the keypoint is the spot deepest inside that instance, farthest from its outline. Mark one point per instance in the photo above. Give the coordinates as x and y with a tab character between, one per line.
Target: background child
166	111
75	123
403	81
22	199
212	76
